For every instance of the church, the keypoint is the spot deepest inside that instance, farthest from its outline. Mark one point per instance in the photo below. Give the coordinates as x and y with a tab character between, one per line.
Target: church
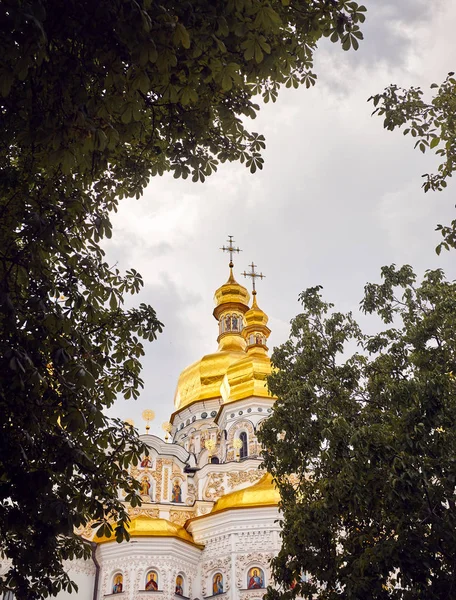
208	522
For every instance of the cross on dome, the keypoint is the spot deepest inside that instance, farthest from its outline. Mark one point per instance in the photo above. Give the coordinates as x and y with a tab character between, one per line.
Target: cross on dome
230	248
253	274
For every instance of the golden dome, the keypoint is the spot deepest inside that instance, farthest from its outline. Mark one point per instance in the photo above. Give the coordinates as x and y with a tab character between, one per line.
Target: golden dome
263	493
202	379
255	316
145	526
247	376
229	294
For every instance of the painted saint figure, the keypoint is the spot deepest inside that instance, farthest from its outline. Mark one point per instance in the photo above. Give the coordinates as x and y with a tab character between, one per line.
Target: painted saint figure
146	462
217	584
117	587
151	583
177	492
145	486
179	591
255	579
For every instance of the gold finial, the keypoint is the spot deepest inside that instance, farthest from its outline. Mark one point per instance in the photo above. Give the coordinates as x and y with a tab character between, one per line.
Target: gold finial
237	445
210	447
167	428
253	274
130	422
148	415
230	248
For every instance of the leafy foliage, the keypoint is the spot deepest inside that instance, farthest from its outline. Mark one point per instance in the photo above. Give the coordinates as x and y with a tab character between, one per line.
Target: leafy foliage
95	98
363	446
432	125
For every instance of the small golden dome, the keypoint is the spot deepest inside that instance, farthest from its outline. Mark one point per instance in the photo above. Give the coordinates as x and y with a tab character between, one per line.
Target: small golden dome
263	493
247	377
145	526
255	316
231	295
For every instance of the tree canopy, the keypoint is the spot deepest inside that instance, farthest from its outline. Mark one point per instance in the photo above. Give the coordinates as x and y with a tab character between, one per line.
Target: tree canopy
95	99
362	444
431	123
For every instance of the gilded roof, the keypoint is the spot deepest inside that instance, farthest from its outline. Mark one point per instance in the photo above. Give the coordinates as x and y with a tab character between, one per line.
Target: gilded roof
202	379
243	368
262	493
145	526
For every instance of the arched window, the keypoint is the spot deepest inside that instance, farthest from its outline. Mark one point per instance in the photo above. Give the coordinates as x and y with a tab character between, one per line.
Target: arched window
215	460
151	581
217	584
117	583
255	578
244	449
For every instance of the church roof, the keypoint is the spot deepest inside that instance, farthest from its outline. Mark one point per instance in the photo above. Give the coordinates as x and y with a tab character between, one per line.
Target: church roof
263	493
145	526
241	360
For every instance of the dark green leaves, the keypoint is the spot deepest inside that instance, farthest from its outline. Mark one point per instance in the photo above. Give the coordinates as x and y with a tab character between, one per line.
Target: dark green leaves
86	120
362	445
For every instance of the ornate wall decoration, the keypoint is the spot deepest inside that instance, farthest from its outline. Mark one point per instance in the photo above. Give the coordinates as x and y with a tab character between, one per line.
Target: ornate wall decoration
261	559
180	516
86	531
165	484
203	510
78	566
110	568
191	493
240	425
209	567
144	511
243	425
235	478
254	540
215	546
214	487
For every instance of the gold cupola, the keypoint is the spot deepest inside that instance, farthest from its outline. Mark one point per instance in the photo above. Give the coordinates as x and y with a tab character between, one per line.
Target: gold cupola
261	494
202	379
256	331
231	303
247	377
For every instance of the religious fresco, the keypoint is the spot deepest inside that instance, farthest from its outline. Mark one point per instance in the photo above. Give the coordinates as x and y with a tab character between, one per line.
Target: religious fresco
255	578
152	581
146	463
176	494
118	584
145	486
179	590
217	584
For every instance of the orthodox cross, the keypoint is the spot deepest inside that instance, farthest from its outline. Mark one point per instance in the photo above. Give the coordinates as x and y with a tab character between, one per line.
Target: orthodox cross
230	248
253	274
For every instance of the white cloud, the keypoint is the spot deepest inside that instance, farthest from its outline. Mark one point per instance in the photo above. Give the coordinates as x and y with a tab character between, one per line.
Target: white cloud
338	197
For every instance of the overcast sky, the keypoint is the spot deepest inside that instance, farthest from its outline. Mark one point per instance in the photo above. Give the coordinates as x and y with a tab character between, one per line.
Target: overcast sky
338	198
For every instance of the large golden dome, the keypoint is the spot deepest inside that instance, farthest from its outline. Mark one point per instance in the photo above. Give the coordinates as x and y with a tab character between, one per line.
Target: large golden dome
145	526
263	493
202	379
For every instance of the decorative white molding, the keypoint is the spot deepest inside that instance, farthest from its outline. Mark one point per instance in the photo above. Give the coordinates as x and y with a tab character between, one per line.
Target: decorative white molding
209	568
252	559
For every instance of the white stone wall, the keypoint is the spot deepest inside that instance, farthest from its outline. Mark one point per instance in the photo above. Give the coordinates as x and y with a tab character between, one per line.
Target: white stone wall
167	556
